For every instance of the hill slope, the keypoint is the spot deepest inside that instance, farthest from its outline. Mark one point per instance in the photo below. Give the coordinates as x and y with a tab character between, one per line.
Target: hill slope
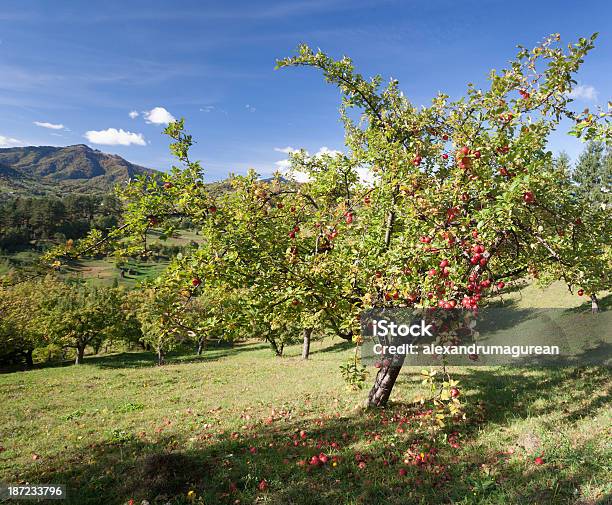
49	170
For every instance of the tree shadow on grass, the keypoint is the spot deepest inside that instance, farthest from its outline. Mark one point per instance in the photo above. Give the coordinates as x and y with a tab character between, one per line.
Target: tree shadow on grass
267	461
149	359
343	345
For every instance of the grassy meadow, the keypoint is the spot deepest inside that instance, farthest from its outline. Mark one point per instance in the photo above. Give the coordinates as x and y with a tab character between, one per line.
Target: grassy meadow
239	426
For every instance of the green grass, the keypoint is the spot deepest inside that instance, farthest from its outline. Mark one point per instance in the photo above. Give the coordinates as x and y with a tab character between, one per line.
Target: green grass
119	427
105	271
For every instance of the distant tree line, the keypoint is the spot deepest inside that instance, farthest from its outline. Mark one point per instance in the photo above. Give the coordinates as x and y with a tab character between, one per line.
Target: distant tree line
28	222
50	319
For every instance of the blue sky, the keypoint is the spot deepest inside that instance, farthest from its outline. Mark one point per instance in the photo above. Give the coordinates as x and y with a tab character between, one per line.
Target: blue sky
87	65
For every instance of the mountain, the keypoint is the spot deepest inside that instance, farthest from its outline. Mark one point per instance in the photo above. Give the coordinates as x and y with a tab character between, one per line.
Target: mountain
46	170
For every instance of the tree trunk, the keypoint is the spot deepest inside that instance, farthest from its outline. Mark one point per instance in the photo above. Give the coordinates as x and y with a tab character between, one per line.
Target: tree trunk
200	346
594	304
160	356
80	355
277	350
28	358
306	347
385	380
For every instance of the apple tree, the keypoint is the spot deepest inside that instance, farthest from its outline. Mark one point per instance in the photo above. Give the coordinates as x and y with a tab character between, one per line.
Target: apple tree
465	196
76	315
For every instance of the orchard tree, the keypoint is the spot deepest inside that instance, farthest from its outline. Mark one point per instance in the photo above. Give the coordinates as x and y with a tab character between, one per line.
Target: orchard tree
77	315
19	305
466	197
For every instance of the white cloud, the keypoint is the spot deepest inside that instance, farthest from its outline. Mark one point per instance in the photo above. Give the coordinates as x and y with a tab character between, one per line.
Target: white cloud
9	142
50	126
284	166
582	92
250	108
207	108
365	174
158	115
133	114
114	137
285	150
328	151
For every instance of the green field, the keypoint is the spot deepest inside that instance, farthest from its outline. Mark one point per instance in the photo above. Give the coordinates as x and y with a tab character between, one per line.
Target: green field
118	427
104	271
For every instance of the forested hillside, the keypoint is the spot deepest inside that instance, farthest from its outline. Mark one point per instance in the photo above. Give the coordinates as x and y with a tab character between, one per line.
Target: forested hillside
46	170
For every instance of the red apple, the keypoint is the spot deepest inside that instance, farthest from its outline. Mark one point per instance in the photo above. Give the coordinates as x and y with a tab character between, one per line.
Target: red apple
167	185
580	292
465	150
196	282
501	285
454	392
528	197
539	460
445	156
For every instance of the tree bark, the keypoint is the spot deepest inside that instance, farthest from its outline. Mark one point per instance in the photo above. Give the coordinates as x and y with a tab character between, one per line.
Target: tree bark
160	356
277	350
306	347
385	380
28	358
80	355
594	304
200	346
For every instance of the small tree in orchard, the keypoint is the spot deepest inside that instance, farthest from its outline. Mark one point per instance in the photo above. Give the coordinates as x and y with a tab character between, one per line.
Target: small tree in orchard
18	335
77	315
